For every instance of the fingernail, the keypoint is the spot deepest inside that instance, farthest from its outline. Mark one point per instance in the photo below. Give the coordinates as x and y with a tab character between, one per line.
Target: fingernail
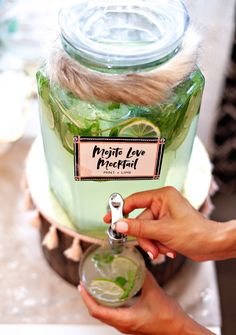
170	255
121	227
150	255
80	288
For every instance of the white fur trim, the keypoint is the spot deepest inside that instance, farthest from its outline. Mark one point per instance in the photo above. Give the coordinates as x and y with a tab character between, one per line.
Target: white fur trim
140	88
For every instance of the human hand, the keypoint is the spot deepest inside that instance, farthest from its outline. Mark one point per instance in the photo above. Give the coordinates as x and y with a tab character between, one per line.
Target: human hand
153	314
169	223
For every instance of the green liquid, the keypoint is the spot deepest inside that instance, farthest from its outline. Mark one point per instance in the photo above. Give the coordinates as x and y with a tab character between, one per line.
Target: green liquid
63	116
117	277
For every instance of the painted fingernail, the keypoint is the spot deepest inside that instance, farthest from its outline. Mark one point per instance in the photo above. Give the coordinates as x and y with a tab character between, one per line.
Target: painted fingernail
150	255
170	255
121	227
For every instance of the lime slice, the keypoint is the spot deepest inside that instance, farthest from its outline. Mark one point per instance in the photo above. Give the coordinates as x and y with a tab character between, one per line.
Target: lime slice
67	137
130	284
121	266
104	289
46	109
140	128
193	109
69	140
127	268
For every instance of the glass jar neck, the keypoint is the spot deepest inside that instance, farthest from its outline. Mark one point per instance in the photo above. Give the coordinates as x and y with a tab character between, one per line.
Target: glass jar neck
122	36
73	53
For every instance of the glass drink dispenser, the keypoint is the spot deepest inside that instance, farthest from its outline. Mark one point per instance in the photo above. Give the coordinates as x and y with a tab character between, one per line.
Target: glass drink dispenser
120	97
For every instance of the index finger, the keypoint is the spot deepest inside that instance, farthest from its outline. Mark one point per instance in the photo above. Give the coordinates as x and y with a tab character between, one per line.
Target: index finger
139	200
146	214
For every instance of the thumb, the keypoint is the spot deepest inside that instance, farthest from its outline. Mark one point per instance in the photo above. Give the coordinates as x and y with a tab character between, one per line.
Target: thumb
149	229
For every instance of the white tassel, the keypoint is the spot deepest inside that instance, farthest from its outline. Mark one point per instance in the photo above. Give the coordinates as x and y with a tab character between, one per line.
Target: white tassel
207	208
24	183
50	240
29	205
35	222
75	252
214	188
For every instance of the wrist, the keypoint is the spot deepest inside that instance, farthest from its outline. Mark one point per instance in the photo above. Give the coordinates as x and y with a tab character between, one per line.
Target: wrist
210	241
225	241
179	324
190	327
216	243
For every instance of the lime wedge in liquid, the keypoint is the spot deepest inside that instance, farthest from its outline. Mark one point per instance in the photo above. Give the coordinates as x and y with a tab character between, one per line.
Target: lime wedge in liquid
122	265
140	128
104	289
48	113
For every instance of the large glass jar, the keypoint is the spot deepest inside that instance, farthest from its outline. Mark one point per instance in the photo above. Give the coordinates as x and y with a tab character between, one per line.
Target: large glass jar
115	37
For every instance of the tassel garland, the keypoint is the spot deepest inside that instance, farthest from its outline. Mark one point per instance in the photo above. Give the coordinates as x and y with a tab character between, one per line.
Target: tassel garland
35	222
50	240
75	252
29	205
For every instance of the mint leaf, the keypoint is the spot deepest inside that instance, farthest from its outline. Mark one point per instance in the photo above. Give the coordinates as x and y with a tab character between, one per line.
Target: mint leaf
114	105
114	132
106	258
121	281
130	284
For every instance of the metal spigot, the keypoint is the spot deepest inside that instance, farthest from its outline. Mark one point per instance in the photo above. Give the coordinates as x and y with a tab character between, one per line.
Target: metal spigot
116	240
